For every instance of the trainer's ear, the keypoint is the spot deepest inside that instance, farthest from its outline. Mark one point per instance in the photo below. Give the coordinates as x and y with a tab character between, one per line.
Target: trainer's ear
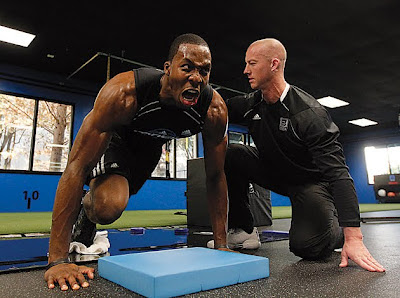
275	64
167	67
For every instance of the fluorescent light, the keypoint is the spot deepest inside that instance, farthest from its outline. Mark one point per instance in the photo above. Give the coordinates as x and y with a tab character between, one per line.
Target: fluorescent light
332	102
363	122
15	36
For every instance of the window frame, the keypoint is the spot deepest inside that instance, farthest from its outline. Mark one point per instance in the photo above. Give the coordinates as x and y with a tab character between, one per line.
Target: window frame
174	157
34	129
382	146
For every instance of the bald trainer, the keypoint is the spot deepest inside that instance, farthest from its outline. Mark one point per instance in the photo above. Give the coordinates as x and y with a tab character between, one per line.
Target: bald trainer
297	155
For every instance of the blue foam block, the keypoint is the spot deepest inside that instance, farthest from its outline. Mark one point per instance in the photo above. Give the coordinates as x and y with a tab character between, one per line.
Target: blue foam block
176	272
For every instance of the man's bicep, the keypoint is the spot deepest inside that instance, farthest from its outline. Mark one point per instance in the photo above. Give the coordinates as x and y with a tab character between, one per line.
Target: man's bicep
114	107
90	143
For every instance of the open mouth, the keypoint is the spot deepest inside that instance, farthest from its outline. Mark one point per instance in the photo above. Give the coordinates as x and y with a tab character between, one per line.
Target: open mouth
190	96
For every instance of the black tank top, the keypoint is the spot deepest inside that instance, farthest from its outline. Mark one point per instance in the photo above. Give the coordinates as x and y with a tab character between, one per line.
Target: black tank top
161	122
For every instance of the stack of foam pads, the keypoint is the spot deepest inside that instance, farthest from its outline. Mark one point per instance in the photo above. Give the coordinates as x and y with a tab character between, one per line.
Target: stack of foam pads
175	272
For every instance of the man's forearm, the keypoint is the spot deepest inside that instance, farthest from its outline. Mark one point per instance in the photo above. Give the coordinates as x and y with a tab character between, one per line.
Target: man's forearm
65	211
218	209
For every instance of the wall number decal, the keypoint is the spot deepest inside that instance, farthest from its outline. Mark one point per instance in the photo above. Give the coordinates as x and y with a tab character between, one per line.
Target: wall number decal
35	196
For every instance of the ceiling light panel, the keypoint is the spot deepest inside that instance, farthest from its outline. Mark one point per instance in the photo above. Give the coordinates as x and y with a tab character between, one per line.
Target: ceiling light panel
15	36
363	122
332	102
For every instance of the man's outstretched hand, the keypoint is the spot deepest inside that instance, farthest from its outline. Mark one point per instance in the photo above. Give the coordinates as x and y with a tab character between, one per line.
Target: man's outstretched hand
355	250
71	274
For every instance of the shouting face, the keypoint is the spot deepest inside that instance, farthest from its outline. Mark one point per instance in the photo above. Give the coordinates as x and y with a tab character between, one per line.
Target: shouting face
187	74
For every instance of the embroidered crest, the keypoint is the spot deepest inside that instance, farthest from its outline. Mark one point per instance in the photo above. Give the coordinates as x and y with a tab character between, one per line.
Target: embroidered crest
283	124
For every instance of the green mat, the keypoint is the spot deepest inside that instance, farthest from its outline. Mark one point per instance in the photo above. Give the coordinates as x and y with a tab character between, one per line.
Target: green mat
40	222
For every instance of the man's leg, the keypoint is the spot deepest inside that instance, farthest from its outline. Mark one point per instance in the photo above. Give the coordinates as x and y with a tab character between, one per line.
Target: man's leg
240	164
107	199
103	204
315	230
121	172
109	193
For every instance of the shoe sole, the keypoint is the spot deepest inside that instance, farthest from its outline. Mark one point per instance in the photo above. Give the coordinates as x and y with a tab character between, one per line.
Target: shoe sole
248	244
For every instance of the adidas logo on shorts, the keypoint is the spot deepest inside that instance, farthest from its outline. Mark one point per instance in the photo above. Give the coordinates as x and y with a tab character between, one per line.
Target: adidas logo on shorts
114	165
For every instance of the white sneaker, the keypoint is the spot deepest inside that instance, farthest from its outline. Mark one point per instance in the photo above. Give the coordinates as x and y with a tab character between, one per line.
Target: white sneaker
237	238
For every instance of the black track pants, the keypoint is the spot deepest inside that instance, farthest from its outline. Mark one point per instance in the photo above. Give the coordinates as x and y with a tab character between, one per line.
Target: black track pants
314	231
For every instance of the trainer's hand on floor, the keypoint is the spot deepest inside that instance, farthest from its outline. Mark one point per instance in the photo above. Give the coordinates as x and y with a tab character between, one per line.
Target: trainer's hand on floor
356	251
71	274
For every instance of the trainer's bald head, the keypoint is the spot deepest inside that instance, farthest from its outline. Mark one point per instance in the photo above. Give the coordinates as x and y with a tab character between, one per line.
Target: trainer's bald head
265	65
270	48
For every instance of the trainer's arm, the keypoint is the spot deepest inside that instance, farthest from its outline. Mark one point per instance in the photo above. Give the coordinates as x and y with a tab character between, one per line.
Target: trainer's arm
215	143
114	106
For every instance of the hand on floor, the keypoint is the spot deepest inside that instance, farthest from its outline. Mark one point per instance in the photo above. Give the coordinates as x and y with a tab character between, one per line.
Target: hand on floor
68	273
355	250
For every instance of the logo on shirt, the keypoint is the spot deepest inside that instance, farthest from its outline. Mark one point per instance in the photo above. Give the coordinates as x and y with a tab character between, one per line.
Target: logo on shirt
283	124
256	117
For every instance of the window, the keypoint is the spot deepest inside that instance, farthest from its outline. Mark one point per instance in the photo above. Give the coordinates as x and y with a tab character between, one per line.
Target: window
185	149
236	137
35	135
174	156
382	160
16	122
163	168
240	138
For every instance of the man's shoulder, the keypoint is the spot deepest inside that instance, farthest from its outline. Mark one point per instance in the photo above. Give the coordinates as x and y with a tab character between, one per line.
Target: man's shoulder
244	101
147	76
299	100
307	112
239	105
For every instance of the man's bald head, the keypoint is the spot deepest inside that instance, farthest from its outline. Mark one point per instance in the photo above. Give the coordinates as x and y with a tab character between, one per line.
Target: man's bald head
270	48
265	63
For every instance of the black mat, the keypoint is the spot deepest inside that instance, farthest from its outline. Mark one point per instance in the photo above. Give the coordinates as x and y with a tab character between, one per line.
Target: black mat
289	275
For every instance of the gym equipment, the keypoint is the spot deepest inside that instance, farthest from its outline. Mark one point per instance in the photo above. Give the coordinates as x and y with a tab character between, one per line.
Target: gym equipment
387	188
182	271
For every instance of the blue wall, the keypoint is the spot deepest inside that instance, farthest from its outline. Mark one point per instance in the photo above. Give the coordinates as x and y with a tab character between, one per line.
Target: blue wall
17	188
155	194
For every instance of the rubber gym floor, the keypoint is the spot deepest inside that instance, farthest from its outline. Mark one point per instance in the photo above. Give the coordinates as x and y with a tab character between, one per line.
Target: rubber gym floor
289	275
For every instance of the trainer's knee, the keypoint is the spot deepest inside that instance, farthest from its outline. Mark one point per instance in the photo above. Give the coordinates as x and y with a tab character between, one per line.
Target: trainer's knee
311	249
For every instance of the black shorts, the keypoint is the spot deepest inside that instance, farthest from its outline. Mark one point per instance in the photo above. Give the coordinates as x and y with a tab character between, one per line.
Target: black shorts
135	159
